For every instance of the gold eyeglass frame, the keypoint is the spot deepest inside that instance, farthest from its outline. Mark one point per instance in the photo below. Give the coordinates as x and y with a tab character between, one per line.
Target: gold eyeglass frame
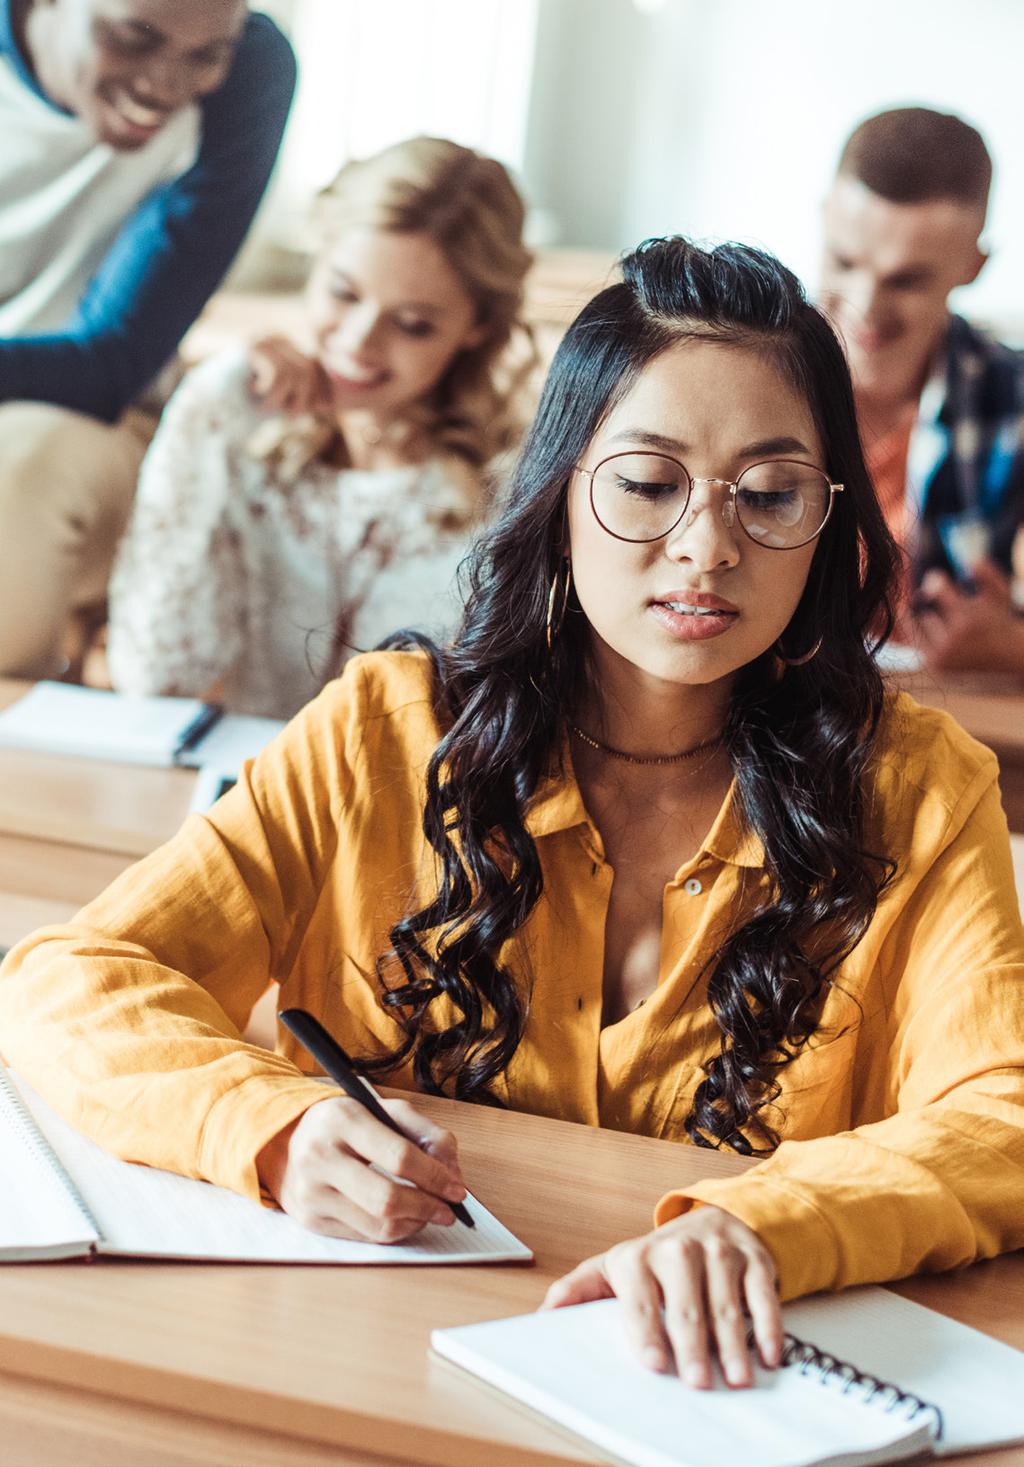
731	484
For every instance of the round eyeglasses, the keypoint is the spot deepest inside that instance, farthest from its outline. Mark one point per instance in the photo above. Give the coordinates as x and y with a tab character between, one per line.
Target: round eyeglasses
780	504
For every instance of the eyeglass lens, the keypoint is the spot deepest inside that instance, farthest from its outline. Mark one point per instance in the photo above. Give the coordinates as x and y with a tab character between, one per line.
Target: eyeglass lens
641	496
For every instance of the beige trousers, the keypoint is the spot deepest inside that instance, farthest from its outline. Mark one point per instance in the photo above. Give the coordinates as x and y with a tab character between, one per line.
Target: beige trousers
66	487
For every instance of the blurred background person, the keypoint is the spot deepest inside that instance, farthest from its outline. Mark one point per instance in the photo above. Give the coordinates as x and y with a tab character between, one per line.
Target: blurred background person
302	499
138	138
940	403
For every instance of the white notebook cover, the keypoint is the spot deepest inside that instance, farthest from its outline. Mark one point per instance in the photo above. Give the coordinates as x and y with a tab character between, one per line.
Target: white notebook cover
56	718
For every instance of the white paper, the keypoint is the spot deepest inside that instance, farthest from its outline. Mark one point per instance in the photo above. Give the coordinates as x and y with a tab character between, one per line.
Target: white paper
58	718
146	1212
39	1213
977	1381
575	1366
233	738
899	657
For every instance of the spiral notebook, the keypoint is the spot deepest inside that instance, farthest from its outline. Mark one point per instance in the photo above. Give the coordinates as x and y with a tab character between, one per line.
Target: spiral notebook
62	1196
868	1377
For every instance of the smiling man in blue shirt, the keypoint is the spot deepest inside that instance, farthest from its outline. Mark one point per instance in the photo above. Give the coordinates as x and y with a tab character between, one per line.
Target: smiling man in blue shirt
139	136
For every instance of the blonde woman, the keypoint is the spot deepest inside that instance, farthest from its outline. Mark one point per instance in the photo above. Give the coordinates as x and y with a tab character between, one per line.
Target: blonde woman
303	499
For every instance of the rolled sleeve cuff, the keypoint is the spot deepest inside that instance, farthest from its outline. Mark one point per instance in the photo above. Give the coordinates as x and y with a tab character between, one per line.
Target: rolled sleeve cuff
799	1237
244	1119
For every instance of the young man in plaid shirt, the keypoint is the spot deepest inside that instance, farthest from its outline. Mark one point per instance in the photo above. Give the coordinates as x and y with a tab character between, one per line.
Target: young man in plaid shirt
940	404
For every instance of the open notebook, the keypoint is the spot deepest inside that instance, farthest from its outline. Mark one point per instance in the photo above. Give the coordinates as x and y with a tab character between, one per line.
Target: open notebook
64	1197
916	1382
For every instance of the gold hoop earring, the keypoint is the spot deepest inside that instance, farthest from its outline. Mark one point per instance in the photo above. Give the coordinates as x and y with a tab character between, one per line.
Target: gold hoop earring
798	661
559	598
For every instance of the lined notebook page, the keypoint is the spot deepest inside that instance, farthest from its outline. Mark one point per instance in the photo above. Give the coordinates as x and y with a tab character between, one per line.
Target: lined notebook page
149	1213
977	1381
574	1365
40	1213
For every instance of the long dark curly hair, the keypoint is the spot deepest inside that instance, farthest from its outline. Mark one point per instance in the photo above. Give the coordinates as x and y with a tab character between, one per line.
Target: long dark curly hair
799	738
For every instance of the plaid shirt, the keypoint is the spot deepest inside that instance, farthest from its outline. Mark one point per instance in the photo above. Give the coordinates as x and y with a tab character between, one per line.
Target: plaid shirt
965	465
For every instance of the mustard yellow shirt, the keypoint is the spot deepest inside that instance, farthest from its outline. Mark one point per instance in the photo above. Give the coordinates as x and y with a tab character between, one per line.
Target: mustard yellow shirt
902	1120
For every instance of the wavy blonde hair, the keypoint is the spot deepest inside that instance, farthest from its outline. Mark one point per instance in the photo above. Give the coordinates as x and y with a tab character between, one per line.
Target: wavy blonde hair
468	205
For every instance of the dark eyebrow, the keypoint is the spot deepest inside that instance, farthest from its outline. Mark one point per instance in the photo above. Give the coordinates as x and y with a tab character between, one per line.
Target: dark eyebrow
771	446
144	28
127	23
763	446
649	440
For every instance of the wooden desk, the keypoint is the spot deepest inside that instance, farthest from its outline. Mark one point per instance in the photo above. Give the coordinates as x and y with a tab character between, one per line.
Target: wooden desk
111	1364
69	826
990	708
42	882
117	808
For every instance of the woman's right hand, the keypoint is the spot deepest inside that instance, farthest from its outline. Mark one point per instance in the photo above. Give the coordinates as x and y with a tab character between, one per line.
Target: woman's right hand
320	1171
282	379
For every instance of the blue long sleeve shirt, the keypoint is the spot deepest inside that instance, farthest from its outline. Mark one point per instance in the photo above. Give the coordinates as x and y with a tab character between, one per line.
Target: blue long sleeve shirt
152	269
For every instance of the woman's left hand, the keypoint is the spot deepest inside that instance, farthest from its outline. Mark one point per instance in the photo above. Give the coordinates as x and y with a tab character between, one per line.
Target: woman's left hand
686	1290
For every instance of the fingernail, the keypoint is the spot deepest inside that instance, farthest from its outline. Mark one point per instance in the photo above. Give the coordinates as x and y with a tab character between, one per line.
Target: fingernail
455	1192
442	1215
654	1358
736	1372
696	1376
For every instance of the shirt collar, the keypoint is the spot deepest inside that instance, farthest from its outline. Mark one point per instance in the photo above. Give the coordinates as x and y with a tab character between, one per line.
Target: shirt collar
935	392
558	805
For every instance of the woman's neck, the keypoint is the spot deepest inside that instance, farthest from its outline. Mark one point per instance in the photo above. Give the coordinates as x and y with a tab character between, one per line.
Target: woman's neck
374	442
636	714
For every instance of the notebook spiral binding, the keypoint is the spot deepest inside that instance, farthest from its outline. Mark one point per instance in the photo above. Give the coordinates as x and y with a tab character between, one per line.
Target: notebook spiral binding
830	1370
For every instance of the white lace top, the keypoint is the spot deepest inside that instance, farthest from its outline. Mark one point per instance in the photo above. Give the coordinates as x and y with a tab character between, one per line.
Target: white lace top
228	578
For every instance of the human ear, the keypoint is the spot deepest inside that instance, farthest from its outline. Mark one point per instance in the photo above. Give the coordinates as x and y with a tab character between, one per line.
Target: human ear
976	263
475	336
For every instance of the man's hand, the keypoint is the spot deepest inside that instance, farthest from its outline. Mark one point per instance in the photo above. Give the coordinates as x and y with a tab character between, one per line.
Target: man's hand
958	632
686	1290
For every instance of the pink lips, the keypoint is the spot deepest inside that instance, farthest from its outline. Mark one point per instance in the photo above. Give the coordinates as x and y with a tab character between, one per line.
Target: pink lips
716	615
704	599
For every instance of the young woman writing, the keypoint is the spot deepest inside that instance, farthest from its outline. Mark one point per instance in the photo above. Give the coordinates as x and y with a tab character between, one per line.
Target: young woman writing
648	847
301	501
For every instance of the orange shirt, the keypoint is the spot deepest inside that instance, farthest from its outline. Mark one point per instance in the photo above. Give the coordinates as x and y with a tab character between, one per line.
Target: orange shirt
887	465
886	460
902	1119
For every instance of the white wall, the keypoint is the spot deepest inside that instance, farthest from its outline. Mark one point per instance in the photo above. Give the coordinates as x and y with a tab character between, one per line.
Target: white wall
724	118
372	72
375	71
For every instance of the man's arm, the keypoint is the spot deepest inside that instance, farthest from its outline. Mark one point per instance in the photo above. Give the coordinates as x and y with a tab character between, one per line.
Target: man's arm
172	252
959	631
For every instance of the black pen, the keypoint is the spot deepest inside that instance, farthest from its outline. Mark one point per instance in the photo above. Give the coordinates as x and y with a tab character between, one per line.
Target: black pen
333	1060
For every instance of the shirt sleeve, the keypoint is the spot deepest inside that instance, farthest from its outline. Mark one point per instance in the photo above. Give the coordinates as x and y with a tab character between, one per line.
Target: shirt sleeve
171	253
128	1019
177	598
939	1182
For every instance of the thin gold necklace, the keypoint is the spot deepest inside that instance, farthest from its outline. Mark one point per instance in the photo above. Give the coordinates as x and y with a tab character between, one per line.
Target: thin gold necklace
650	758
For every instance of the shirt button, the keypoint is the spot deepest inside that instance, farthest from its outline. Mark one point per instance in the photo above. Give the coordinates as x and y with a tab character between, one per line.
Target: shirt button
693	887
